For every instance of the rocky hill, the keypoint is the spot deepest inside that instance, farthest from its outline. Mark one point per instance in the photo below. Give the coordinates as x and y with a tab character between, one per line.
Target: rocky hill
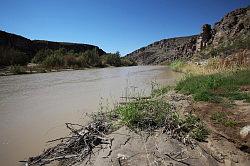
165	50
231	26
28	48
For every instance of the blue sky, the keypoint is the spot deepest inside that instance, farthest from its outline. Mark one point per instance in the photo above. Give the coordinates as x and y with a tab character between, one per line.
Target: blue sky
113	25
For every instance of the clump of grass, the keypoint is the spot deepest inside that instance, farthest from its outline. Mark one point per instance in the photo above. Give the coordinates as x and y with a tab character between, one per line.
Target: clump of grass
161	91
200	133
222	118
230	123
218	117
148	115
143	114
196	129
177	65
216	86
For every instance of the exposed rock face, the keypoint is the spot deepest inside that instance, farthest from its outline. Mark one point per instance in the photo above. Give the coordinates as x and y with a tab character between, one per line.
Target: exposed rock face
30	47
232	25
165	50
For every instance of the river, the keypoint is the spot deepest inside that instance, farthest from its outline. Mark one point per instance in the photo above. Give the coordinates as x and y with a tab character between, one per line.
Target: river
35	107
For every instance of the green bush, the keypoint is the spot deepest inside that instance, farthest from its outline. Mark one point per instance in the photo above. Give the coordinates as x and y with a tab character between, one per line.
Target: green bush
143	114
41	55
11	56
17	69
53	61
92	58
111	59
149	115
127	62
82	61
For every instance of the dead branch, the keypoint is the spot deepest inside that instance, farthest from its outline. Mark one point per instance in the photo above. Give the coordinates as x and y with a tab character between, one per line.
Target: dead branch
76	147
136	98
177	160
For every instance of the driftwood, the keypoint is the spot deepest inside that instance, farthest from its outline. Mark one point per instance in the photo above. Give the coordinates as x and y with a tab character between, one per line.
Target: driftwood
80	144
136	98
177	160
77	147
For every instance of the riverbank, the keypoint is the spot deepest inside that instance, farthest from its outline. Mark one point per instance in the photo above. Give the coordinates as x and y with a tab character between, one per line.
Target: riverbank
18	70
53	99
35	68
195	122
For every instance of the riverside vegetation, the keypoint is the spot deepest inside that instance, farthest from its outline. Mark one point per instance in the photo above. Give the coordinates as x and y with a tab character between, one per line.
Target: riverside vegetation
52	60
20	55
89	58
218	78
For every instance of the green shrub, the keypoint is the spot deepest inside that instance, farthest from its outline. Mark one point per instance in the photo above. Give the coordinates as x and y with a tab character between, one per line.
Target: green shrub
151	114
92	58
41	55
53	61
143	114
127	62
17	69
82	61
11	56
111	59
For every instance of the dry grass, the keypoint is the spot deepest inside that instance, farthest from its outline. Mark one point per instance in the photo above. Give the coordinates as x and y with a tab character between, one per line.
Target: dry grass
236	61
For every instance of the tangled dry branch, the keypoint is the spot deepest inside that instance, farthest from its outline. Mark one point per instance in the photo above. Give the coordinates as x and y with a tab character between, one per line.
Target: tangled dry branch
76	147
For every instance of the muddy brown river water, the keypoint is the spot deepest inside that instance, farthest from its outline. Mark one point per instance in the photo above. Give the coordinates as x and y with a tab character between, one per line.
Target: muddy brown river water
34	108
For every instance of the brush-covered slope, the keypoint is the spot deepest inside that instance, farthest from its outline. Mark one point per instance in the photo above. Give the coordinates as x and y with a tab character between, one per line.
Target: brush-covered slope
15	49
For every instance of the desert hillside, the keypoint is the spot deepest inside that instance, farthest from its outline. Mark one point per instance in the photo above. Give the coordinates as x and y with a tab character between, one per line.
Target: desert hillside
232	26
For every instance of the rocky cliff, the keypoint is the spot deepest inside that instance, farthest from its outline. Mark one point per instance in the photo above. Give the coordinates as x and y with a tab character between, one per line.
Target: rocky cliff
234	24
30	47
165	50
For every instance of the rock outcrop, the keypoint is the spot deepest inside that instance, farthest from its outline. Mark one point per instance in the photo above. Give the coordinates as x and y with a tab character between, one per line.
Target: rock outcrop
234	24
165	50
30	47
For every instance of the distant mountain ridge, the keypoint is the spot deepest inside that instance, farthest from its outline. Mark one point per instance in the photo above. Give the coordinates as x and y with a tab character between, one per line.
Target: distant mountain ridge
232	25
31	47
